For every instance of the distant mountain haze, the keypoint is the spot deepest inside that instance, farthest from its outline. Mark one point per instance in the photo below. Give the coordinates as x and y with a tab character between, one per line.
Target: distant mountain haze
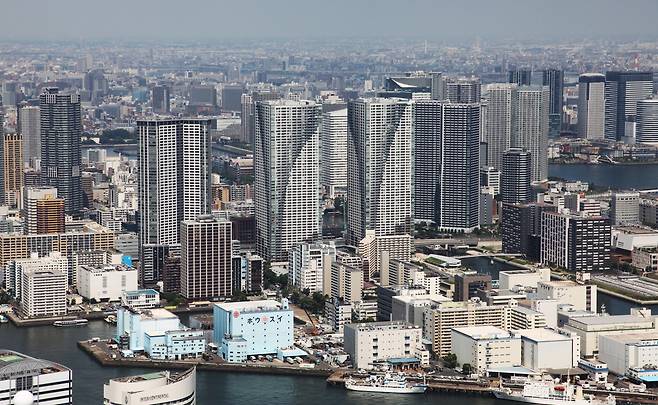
235	19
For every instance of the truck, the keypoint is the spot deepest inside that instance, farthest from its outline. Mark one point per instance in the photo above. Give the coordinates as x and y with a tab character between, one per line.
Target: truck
637	387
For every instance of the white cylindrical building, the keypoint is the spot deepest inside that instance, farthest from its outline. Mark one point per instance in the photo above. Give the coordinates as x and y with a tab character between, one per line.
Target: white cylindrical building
154	388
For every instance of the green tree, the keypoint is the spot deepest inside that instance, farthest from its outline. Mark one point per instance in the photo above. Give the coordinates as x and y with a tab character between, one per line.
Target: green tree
467	368
450	360
239	296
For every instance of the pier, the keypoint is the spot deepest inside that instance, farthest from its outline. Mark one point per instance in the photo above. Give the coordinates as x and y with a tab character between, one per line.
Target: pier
99	352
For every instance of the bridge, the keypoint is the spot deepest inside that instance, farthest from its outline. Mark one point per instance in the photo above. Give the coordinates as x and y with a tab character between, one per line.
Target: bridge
455	241
487	254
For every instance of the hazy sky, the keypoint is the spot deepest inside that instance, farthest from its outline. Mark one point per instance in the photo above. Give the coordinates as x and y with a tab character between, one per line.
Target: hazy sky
431	19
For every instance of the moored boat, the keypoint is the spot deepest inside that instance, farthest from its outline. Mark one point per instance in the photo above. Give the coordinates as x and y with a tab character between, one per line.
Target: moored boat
389	384
71	322
546	392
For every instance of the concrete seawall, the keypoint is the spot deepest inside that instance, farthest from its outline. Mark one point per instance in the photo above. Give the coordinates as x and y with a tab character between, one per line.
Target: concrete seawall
106	361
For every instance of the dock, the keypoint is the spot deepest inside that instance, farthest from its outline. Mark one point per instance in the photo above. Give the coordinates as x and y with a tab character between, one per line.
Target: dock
482	387
475	387
98	353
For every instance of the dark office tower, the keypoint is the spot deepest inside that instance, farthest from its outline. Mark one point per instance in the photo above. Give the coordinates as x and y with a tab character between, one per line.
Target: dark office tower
231	94
160	98
61	128
463	90
554	79
427	143
9	94
96	85
515	176
205	95
521	228
575	242
248	117
622	92
171	274
522	77
459	181
87	182
647	122
453	183
438	86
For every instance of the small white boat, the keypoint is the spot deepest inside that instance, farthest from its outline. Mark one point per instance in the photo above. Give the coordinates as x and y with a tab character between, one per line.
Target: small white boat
3	319
71	322
389	384
547	392
111	319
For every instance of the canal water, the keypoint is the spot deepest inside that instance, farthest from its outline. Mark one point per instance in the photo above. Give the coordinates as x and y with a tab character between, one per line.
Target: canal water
639	177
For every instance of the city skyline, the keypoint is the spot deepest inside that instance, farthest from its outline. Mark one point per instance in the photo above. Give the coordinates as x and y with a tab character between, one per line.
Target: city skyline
450	192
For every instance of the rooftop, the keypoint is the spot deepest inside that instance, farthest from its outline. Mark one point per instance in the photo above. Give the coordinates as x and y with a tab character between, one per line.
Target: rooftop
483	332
542	335
639	339
250	306
142	291
386	325
143	377
14	364
636	230
153	313
610	319
407	299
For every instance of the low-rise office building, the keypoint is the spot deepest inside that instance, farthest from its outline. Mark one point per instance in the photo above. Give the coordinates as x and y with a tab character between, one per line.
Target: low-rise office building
410	308
591	328
645	259
385	296
547	349
338	314
15	268
525	318
141	299
485	347
151	389
174	344
508	279
308	264
439	320
43	293
248	328
629	351
581	296
629	238
107	283
371	343
134	324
